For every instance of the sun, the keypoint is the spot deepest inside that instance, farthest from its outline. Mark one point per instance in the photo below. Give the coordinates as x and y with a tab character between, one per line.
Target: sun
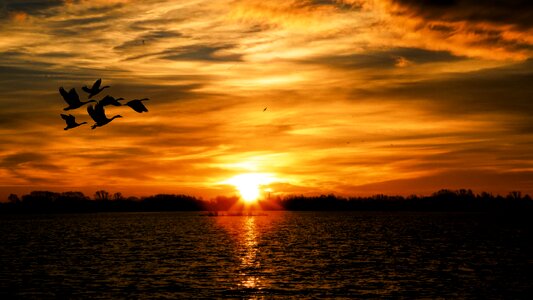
250	185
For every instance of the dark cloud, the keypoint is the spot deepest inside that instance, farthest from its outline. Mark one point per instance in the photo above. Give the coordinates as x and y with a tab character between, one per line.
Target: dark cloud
18	162
32	7
14	160
201	53
384	59
337	4
198	52
83	22
499	25
516	12
500	90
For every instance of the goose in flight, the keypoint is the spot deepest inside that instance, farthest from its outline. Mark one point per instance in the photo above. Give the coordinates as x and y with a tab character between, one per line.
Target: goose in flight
71	121
97	113
95	89
110	100
72	99
137	105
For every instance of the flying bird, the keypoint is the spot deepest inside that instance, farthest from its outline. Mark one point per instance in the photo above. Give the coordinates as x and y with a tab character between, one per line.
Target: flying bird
72	99
110	100
97	113
137	105
71	121
265	109
95	89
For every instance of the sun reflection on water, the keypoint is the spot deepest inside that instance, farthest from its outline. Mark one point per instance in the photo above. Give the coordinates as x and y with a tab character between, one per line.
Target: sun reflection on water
247	232
249	254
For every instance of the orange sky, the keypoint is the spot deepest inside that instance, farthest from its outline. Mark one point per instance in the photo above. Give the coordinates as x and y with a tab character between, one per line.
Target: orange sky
362	96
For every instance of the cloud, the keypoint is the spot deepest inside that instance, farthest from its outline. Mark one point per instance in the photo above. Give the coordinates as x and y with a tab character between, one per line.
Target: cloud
500	29
385	59
201	52
503	12
31	7
494	90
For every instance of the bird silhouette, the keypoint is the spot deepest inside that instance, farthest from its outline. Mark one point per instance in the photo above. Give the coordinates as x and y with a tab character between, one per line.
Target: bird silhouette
72	99
71	121
265	109
137	105
95	89
110	100
97	113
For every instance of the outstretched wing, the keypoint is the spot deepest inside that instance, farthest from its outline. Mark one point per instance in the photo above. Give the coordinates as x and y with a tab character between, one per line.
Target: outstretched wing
86	89
143	108
71	97
107	100
97	84
137	106
110	100
97	113
63	93
92	113
70	119
100	112
74	95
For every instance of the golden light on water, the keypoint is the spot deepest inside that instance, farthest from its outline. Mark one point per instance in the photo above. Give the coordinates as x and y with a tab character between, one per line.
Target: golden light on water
251	185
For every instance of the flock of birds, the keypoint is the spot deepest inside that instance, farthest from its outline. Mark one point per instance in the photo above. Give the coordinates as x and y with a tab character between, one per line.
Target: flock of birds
97	111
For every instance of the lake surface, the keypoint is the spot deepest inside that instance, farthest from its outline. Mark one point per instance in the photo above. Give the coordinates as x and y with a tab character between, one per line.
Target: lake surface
280	255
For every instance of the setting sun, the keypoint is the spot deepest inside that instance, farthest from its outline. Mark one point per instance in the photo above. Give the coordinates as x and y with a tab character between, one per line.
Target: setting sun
250	185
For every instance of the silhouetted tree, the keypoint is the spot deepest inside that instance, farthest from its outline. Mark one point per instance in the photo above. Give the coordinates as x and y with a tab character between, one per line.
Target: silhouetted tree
222	203
101	195
514	195
443	200
118	196
13	198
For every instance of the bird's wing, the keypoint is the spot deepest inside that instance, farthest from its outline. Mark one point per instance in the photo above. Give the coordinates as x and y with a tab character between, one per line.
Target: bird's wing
97	83
109	100
139	107
92	113
86	89
100	112
143	107
67	96
71	121
74	95
134	105
63	92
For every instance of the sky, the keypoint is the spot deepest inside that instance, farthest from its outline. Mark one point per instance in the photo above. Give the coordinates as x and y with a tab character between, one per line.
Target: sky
362	97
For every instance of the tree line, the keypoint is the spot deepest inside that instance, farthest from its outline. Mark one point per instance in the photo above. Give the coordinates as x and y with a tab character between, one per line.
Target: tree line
103	201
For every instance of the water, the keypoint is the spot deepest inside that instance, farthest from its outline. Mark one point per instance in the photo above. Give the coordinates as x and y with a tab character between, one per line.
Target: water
281	255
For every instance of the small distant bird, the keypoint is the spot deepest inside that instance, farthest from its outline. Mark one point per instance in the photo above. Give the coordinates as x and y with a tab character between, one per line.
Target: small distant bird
97	113
71	121
95	89
110	100
72	99
137	105
265	109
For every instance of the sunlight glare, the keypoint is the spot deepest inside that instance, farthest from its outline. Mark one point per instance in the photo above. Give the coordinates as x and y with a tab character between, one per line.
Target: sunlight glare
249	185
